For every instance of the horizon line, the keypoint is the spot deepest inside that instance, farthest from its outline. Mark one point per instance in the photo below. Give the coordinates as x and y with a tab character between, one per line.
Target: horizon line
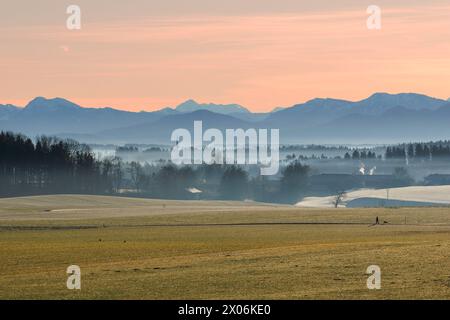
23	105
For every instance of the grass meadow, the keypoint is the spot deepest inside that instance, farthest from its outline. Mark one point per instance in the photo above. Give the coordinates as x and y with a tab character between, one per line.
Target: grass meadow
154	249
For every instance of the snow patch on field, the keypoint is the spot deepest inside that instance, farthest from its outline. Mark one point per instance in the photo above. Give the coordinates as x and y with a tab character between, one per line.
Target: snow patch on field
438	195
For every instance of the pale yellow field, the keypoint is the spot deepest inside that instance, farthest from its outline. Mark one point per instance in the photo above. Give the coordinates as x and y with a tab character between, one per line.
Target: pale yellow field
156	249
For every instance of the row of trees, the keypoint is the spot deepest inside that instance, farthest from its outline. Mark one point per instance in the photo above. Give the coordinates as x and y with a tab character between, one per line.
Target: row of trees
50	166
216	181
47	166
360	154
440	149
430	150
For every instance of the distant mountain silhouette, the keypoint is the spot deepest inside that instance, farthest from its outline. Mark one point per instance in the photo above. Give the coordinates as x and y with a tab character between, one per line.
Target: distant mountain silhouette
398	124
318	111
381	118
381	102
57	116
277	109
41	104
6	111
160	131
191	106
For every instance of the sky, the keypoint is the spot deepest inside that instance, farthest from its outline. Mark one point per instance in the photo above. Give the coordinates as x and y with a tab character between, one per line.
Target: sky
148	54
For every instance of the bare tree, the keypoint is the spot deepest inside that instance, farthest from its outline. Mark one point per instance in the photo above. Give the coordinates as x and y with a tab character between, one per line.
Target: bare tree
136	174
117	174
339	198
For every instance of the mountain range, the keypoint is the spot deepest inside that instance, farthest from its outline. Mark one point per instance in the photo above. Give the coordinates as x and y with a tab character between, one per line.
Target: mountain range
381	118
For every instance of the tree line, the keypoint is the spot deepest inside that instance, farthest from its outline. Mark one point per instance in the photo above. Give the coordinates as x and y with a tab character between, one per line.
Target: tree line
430	150
360	155
50	165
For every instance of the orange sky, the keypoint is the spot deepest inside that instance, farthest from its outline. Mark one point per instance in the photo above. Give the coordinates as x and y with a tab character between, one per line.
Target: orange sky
260	59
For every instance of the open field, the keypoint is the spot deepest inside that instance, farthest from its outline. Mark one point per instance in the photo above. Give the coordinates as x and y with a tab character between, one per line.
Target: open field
158	249
432	195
